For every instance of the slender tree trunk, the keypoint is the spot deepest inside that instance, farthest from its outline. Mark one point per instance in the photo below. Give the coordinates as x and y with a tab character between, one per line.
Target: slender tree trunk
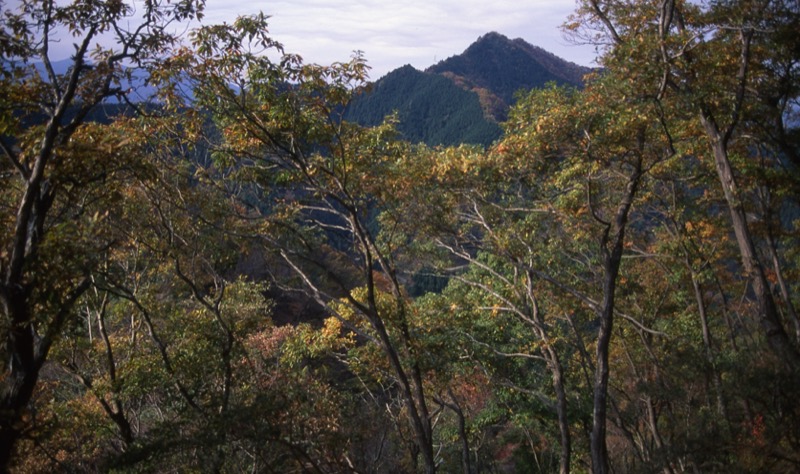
117	411
598	447
784	287
462	433
777	338
707	342
556	369
415	401
455	407
652	421
561	410
612	246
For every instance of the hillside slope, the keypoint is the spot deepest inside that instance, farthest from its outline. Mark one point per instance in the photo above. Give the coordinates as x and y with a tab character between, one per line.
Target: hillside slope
496	68
463	98
430	108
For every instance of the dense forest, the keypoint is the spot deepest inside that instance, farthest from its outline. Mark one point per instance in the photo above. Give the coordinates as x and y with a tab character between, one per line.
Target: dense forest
461	99
497	63
429	108
234	278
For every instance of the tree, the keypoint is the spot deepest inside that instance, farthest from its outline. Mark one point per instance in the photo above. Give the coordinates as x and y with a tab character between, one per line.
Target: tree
315	180
709	68
717	62
48	170
172	354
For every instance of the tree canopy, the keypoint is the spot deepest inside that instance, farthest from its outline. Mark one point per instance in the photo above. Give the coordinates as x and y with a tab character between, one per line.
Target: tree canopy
232	276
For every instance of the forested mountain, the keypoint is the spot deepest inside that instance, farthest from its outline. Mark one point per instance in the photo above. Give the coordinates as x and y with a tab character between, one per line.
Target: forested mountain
496	67
236	279
430	109
465	108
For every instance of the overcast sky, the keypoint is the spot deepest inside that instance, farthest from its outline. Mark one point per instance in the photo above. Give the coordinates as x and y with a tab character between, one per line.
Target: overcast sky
393	33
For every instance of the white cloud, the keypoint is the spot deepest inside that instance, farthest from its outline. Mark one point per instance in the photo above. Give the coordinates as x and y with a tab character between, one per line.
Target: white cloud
416	32
394	33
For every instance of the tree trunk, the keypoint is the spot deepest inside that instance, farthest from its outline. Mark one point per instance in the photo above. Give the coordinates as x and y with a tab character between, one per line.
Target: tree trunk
777	338
20	380
561	410
708	346
611	246
598	447
455	407
414	397
784	287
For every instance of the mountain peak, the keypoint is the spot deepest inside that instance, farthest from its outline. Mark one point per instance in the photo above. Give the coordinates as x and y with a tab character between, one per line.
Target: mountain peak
462	99
492	37
503	66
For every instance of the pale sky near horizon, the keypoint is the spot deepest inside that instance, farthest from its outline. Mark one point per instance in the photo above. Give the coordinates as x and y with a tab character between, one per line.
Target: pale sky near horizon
394	33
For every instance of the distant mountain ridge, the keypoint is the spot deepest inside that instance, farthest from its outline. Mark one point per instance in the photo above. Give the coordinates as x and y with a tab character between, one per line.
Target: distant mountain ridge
496	65
461	99
432	106
135	85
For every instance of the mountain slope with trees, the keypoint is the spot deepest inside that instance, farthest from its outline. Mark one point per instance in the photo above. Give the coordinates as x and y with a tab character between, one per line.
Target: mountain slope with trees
465	108
499	67
429	108
238	279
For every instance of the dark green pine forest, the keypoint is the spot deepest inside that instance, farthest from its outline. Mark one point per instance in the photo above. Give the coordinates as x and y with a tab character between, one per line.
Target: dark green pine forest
216	257
428	108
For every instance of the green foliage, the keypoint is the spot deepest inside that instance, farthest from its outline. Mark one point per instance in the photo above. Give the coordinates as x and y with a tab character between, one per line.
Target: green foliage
506	67
429	108
445	302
